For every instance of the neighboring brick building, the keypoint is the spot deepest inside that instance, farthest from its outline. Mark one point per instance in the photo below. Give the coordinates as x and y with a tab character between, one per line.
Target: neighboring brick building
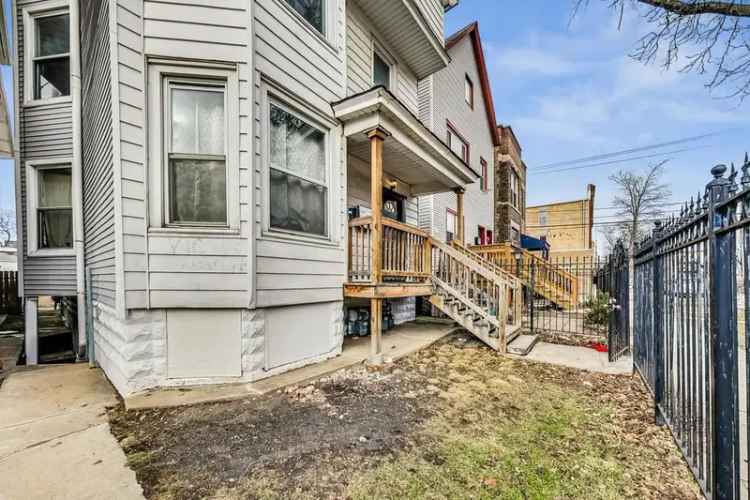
568	226
510	188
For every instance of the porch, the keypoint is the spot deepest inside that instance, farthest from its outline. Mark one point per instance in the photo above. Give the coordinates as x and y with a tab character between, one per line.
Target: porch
391	154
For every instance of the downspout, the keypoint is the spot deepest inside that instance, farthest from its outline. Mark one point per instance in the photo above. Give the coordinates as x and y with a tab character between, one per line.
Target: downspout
77	172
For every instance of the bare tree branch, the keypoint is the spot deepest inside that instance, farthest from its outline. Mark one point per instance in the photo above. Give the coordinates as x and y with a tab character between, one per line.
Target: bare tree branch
640	197
7	227
705	37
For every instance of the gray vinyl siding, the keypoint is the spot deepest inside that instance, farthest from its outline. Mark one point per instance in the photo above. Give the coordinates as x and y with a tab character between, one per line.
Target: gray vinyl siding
45	132
448	104
432	10
97	164
295	58
171	270
360	40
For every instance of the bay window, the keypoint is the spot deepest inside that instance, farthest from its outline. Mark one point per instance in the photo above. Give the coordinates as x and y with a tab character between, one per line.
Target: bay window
298	169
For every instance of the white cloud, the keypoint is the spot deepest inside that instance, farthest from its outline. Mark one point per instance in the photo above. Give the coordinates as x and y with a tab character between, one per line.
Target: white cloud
531	62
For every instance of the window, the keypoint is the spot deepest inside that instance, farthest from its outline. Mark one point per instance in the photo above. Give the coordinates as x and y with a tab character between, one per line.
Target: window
451	224
310	10
48	56
196	152
193	147
485	181
381	71
469	92
514	189
543	218
298	173
50	207
457	144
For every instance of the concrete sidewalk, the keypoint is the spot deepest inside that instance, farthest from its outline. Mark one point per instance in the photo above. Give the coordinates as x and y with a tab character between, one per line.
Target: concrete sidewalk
581	358
55	440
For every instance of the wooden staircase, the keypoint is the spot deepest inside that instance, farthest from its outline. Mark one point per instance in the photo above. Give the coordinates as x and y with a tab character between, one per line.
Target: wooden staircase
483	299
551	282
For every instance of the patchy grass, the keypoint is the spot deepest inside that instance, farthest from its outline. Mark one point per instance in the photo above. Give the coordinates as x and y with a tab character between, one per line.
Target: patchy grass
454	421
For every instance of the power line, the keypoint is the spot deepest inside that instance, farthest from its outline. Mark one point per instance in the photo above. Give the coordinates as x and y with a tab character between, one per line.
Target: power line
596	209
623	160
625	151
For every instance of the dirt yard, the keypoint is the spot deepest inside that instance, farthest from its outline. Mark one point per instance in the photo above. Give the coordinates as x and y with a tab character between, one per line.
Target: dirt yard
453	421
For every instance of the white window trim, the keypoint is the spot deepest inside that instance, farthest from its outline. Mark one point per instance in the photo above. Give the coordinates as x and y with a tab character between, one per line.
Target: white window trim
30	14
385	56
272	93
32	203
159	73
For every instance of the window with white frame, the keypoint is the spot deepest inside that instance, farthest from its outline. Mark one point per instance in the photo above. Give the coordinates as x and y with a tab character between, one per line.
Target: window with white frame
298	171
457	144
451	225
514	189
196	152
311	10
47	52
50	207
381	71
469	92
193	146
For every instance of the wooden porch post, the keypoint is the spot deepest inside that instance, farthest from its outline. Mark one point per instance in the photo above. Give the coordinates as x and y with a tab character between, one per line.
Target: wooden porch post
377	137
460	214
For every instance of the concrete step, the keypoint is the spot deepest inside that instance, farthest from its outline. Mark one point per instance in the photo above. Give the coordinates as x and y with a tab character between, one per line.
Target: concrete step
523	344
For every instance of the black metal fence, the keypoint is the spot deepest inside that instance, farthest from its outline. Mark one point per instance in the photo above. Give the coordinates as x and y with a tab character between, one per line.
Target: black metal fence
593	311
690	313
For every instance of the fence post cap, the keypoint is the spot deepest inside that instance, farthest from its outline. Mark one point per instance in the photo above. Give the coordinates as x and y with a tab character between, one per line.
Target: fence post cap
718	171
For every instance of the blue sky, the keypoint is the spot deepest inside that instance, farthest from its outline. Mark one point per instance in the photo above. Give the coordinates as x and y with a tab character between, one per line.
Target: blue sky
571	92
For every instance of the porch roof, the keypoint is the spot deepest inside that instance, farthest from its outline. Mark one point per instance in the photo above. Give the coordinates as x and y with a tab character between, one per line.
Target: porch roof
412	152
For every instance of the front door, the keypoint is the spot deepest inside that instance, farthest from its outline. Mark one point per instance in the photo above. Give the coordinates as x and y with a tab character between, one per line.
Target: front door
393	205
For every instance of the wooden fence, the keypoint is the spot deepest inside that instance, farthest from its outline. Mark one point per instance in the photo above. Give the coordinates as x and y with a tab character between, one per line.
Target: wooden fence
10	302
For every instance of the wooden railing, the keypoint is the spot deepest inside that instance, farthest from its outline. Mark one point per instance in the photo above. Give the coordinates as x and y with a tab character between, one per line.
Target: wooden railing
485	293
557	284
406	252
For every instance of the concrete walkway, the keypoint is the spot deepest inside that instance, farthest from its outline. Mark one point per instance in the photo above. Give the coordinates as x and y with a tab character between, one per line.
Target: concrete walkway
581	358
399	342
55	440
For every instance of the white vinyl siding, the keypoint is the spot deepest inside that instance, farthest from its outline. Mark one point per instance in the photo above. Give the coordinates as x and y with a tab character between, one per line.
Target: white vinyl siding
446	103
361	44
173	268
45	133
306	72
97	160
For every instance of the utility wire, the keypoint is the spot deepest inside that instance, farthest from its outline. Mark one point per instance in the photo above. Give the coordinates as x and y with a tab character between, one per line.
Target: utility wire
625	151
623	160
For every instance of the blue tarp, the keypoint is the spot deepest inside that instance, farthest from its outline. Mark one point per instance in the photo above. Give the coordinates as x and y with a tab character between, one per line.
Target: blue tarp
533	244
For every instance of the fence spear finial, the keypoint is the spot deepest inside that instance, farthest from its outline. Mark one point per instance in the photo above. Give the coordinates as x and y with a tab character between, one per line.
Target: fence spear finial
746	172
733	180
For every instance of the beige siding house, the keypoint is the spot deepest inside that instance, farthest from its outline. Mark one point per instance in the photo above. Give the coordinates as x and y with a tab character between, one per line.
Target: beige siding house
214	184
